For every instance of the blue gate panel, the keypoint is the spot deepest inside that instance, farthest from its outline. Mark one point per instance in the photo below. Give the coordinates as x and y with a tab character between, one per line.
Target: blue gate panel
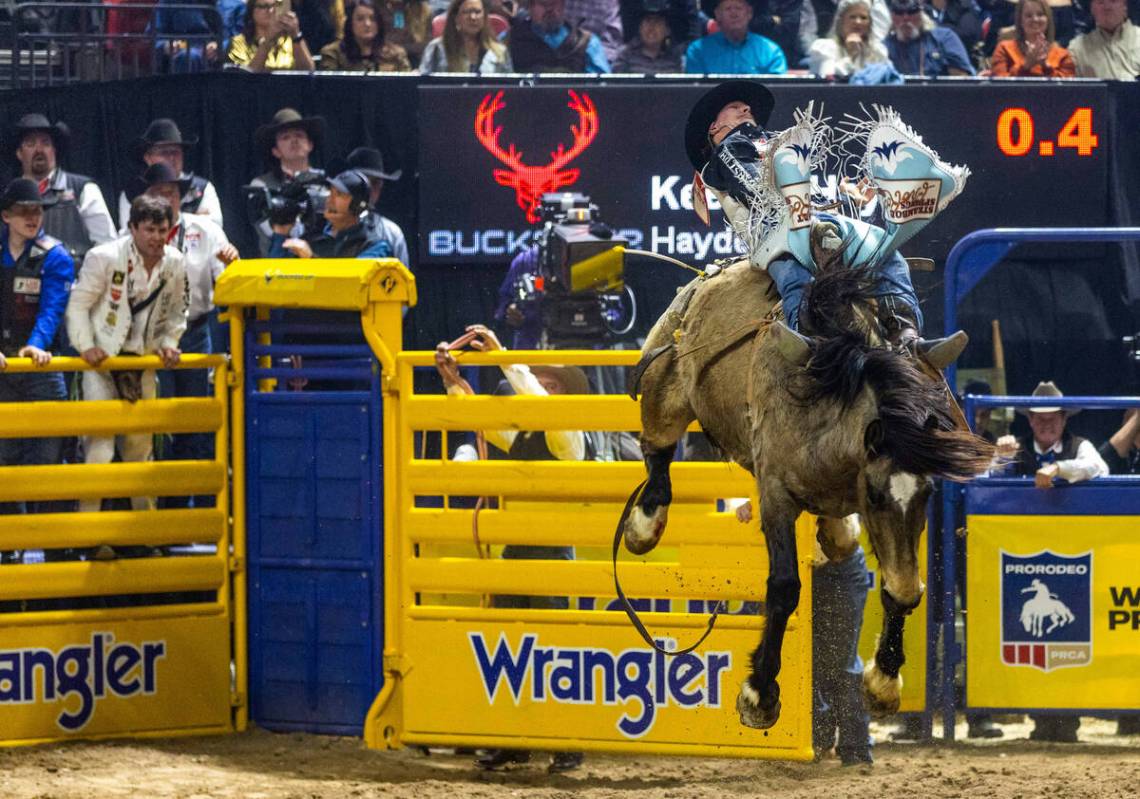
314	547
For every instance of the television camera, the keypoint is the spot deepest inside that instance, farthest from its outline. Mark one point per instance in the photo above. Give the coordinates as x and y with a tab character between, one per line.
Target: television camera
303	196
579	285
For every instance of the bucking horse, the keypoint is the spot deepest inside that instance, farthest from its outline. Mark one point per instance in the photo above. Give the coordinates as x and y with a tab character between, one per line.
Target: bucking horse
834	421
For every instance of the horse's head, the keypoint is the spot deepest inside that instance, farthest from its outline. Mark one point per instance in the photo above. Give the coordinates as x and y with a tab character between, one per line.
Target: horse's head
903	428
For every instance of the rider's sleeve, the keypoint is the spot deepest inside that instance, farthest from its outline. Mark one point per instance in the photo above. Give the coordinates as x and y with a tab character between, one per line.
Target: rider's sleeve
565	445
1087	465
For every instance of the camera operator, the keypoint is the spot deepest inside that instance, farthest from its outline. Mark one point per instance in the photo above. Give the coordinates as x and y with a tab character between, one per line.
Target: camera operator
293	186
516	309
348	233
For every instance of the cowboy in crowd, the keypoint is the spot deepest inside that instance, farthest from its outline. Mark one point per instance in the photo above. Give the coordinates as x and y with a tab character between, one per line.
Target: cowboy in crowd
74	209
206	252
370	163
162	142
288	142
36	273
131	298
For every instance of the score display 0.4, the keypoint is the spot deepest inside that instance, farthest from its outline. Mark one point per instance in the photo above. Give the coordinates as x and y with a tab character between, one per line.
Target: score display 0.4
1016	134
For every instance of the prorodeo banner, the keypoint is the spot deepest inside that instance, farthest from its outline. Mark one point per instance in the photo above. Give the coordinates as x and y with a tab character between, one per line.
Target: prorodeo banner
1053	612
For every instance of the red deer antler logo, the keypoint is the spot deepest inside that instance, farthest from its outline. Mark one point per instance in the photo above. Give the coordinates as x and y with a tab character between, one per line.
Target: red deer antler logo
531	182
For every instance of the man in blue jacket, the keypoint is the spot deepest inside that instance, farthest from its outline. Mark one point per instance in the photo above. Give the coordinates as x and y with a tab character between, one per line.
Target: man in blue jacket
36	273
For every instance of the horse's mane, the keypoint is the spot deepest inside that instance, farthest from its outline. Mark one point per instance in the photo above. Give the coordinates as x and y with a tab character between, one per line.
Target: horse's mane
918	416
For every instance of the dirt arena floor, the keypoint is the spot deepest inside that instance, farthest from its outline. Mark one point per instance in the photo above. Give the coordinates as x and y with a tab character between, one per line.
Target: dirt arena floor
261	765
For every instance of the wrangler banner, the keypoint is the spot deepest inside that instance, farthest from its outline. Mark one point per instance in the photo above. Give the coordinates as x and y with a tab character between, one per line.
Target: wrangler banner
1053	612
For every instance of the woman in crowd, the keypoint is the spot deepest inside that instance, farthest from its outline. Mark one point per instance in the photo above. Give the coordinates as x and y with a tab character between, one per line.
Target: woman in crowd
408	24
1033	51
651	50
363	49
850	46
467	43
269	40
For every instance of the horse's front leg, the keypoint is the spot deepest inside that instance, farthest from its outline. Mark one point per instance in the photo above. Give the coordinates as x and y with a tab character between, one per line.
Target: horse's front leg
759	701
648	516
882	682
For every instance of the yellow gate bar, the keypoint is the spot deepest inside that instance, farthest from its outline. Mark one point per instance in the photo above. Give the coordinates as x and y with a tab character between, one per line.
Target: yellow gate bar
114	363
571	479
610	412
106	578
109	417
507	357
580	578
116	528
92	481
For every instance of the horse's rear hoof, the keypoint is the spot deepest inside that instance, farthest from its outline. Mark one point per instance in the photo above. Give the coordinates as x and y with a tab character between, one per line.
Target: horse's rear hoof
881	693
642	532
751	713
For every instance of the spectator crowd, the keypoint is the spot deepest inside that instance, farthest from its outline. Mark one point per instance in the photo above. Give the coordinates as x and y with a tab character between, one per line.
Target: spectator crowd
865	41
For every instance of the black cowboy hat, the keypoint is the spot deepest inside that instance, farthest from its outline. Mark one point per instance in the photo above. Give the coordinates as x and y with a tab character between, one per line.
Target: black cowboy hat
162	131
22	191
155	174
755	94
265	137
371	163
709	6
35	123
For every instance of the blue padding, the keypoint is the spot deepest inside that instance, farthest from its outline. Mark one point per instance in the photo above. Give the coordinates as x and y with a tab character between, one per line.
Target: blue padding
1017	496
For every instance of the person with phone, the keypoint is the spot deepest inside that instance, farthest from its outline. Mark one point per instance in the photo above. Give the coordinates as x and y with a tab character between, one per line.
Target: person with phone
271	39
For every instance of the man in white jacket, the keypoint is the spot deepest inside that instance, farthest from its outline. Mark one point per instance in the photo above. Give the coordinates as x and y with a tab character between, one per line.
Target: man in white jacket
131	298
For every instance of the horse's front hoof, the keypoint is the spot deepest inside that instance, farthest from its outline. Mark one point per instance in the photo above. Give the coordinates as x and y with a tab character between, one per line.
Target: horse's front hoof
882	693
642	531
751	713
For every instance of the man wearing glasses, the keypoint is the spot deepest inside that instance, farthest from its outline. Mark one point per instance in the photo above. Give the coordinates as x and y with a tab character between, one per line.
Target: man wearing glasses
918	46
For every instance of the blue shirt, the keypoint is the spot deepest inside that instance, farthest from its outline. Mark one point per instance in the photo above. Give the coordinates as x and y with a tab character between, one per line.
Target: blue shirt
932	55
596	60
715	54
529	334
55	287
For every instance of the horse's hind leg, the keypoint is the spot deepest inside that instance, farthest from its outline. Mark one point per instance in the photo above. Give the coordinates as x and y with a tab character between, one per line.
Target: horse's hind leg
665	415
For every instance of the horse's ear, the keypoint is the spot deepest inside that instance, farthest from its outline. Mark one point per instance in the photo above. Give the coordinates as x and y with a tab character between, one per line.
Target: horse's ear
941	352
873	438
794	348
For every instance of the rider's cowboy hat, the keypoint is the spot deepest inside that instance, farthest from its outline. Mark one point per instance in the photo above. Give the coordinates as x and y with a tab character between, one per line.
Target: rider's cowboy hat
1047	388
265	137
37	123
572	378
755	94
162	131
22	191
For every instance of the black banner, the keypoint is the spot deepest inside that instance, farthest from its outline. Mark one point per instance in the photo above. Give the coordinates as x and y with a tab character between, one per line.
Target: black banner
1038	153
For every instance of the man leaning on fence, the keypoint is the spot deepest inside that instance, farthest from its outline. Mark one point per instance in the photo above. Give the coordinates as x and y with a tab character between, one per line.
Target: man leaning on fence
35	279
131	298
562	445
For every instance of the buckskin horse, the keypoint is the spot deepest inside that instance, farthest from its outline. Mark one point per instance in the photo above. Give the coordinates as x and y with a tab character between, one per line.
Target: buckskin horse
835	422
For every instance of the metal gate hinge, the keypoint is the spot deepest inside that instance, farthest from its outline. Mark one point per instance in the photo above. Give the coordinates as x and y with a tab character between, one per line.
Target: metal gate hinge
237	699
236	564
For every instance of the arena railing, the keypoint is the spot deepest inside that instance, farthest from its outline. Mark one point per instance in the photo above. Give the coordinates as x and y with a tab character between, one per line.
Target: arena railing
969	262
100	41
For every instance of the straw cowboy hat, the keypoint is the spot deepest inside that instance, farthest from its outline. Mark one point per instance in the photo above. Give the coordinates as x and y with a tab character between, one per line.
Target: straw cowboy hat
572	378
1047	389
754	93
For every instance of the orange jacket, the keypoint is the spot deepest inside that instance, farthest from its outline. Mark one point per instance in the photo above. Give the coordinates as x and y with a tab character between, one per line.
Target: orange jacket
1009	62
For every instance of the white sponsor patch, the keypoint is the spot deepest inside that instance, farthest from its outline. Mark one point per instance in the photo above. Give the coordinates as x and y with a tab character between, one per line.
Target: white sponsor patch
909	200
26	285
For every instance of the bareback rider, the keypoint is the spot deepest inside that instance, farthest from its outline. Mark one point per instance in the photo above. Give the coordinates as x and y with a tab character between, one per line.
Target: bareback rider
762	180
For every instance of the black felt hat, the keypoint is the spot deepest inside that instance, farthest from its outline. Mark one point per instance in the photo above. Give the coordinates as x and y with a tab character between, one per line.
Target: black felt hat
156	173
37	123
162	131
371	163
754	93
21	191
